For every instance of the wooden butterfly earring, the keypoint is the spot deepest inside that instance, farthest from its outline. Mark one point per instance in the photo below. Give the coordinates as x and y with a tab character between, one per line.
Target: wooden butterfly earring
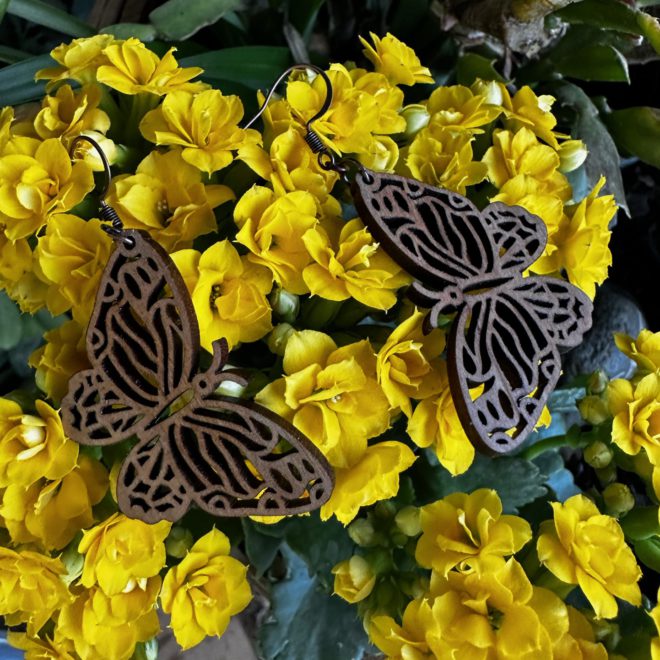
503	347
228	456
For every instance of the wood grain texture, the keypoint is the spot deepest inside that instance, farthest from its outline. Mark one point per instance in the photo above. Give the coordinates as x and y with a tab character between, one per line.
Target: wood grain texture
503	347
228	456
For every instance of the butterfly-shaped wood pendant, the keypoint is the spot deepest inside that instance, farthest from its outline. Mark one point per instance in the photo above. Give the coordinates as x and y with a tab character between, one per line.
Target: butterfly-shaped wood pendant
503	347
228	456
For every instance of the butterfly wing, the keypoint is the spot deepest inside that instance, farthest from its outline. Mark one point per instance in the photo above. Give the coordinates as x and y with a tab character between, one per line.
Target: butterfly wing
437	236
142	343
230	458
503	356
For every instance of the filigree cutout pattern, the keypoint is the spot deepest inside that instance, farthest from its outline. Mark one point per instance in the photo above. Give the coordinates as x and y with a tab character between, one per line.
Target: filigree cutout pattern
228	456
503	348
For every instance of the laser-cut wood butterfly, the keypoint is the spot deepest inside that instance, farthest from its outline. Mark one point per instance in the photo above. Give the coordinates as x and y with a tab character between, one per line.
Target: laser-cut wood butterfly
504	342
229	457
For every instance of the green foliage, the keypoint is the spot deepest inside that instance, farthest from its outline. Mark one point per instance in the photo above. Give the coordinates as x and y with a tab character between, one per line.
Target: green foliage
180	19
49	16
637	131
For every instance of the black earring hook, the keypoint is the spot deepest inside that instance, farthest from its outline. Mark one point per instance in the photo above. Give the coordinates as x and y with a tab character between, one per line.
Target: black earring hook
106	212
312	138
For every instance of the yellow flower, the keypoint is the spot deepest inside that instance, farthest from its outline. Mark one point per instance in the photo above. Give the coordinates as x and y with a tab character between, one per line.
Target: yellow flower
43	647
636	411
78	60
31	588
228	293
443	158
53	512
33	447
349	264
330	394
354	579
72	255
655	642
579	642
408	363
15	260
132	69
582	546
63	355
435	422
580	246
572	153
69	113
468	531
122	550
205	590
395	60
272	228
372	477
204	125
167	198
34	187
534	112
458	108
290	165
645	350
518	153
109	627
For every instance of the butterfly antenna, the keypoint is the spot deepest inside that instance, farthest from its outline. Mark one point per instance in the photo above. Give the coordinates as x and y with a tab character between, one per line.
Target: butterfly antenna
106	212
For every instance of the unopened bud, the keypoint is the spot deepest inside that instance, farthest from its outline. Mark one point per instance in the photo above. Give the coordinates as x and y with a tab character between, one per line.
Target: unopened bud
408	521
598	454
606	475
618	499
417	117
597	382
594	409
178	542
380	561
362	533
385	510
354	579
491	90
278	338
385	595
572	154
284	304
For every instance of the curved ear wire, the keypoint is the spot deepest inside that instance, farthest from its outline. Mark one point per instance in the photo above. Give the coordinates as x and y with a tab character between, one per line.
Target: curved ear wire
106	211
312	138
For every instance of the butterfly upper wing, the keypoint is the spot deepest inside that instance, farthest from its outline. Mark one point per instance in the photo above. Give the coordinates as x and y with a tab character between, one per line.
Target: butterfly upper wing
437	236
229	457
505	349
142	342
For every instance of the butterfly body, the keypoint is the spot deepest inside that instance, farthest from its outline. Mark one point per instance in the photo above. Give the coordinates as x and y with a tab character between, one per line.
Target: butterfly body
503	348
228	456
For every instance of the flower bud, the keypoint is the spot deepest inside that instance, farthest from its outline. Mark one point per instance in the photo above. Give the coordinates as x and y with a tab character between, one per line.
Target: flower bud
230	388
408	521
417	117
278	338
385	510
597	382
490	90
178	542
354	579
380	561
594	409
598	454
362	533
618	499
284	304
606	475
572	154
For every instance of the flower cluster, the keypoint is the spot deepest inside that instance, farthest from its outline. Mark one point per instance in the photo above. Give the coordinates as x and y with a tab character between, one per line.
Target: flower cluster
277	263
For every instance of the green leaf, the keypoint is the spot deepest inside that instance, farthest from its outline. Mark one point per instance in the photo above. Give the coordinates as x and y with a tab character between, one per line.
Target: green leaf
594	62
10	323
296	43
141	31
607	14
648	552
557	477
310	623
261	549
472	66
641	523
637	131
3	8
603	158
565	399
516	480
17	80
180	19
255	67
11	55
51	17
303	16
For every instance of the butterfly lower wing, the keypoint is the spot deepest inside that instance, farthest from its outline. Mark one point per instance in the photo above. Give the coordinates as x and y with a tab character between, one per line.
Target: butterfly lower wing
503	364
142	342
227	456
